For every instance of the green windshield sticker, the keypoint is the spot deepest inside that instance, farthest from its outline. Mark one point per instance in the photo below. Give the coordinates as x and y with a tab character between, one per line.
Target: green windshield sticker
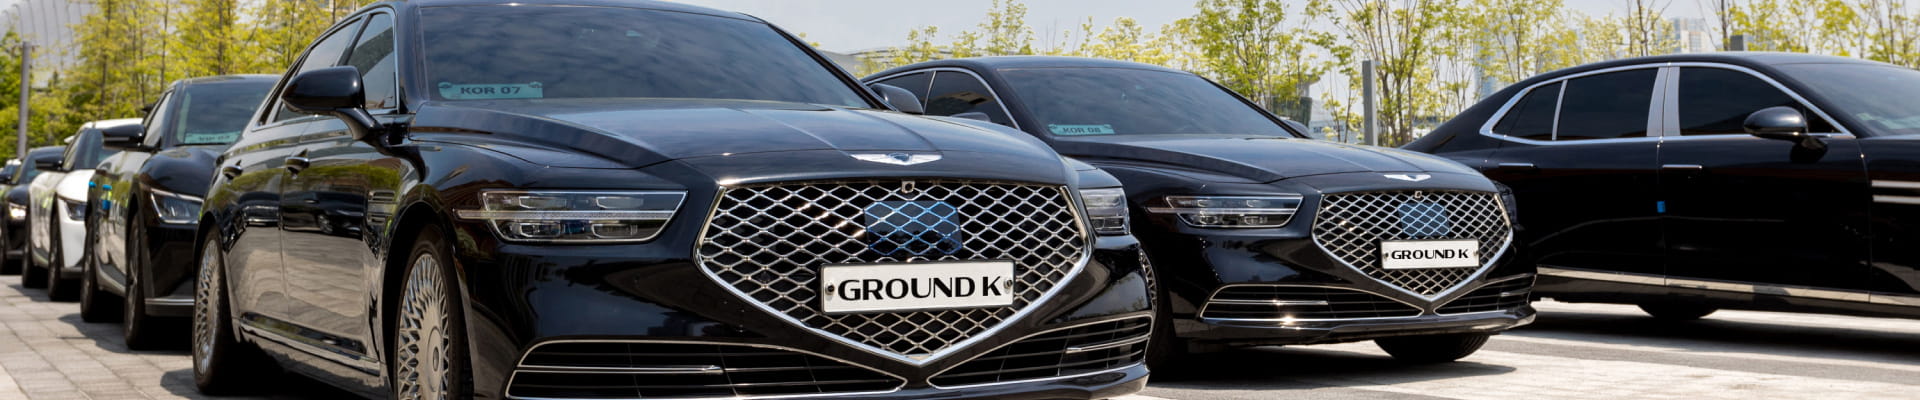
1080	130
209	138
491	91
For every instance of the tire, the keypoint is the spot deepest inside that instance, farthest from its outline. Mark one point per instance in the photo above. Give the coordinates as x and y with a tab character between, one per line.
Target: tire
96	306
1430	349
31	276
7	266
221	363
1164	348
141	331
1676	312
59	289
429	328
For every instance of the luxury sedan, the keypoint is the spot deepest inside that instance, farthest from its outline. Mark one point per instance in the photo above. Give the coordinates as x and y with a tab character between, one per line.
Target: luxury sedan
587	199
56	216
145	204
13	235
1259	235
1691	183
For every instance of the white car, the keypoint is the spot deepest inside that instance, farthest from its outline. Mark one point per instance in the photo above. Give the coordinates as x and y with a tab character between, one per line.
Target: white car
57	213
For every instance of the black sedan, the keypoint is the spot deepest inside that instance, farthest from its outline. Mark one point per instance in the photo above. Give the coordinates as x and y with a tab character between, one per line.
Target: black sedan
1258	235
588	199
145	203
1690	183
13	235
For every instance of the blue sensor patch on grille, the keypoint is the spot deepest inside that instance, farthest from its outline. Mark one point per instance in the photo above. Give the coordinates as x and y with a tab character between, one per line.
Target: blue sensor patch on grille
1425	220
913	228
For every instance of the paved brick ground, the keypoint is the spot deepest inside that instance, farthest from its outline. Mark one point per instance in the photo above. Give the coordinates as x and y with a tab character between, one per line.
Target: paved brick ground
1576	352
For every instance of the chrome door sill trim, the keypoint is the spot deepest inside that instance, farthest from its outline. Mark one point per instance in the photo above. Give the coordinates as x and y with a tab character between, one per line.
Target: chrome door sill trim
1735	287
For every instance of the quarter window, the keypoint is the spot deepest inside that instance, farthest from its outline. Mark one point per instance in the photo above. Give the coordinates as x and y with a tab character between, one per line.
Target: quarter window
324	55
1532	116
957	92
157	120
1606	106
1716	101
373	55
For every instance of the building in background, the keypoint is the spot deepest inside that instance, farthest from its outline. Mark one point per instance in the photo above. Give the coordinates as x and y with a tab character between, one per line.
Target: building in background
48	24
1694	35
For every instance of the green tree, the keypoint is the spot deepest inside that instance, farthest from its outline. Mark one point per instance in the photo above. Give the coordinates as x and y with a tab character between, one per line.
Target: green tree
1260	49
1409	42
1512	40
207	38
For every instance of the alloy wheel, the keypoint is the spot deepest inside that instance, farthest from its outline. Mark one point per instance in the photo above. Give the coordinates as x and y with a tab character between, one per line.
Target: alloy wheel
206	312
424	362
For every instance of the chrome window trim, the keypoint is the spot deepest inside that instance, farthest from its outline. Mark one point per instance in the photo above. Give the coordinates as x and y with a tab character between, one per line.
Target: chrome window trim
1148	317
1666	99
1079	214
1216	293
1735	287
976	77
522	363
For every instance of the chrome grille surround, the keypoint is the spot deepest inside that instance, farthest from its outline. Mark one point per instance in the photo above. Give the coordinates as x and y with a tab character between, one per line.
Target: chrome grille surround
1350	227
767	243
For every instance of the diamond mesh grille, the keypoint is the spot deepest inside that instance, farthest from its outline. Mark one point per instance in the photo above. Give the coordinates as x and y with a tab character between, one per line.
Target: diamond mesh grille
1350	226
770	242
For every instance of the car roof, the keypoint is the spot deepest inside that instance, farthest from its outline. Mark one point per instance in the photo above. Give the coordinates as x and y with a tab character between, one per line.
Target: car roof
645	4
1014	62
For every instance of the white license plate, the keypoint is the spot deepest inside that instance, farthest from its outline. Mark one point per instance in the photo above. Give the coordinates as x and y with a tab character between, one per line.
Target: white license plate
855	288
1418	254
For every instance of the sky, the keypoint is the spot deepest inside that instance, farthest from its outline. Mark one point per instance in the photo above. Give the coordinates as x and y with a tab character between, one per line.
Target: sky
852	25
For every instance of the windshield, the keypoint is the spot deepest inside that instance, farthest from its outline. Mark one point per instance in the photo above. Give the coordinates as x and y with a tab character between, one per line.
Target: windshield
540	52
1116	101
1880	96
215	113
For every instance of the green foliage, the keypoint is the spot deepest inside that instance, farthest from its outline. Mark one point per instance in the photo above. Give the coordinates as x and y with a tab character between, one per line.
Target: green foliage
1257	48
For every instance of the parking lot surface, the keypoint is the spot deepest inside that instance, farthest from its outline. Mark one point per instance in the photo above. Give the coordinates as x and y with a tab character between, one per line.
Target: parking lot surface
1576	351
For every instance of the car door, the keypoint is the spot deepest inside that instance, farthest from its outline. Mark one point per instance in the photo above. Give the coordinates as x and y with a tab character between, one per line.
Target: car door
325	202
116	202
1578	155
1759	211
261	161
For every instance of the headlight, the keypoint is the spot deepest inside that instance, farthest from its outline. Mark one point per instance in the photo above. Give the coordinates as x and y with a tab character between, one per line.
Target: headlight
18	212
174	208
1106	209
76	210
1231	211
570	216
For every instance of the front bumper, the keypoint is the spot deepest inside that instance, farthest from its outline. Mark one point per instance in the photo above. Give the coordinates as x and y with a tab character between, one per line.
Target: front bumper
1254	333
169	267
522	297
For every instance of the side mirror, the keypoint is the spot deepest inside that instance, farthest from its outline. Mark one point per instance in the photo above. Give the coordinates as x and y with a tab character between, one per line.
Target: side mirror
901	99
1779	123
335	91
47	164
1782	123
123	137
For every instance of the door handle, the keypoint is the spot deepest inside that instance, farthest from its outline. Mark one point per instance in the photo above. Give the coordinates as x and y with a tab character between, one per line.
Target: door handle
296	164
1518	167
230	171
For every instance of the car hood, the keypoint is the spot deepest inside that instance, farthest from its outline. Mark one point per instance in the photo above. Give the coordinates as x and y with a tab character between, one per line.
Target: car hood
633	133
1263	159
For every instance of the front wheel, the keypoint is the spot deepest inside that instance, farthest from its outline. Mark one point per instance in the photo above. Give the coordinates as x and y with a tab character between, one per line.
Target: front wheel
221	364
1433	348
31	276
1677	312
7	266
59	289
96	305
429	335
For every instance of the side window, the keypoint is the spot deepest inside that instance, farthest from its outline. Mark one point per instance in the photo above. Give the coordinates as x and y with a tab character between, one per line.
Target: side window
84	152
156	122
915	82
1532	116
373	55
957	92
1606	106
326	54
1715	101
